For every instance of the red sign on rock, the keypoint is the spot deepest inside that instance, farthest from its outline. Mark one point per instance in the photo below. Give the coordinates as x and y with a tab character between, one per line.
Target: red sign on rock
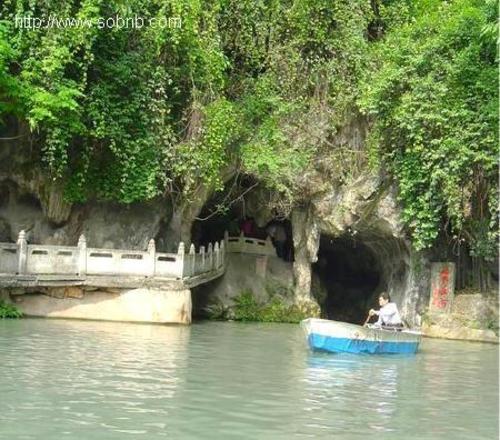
442	287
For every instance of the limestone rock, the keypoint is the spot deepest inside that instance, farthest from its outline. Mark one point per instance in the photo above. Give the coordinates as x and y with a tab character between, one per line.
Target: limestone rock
461	333
243	274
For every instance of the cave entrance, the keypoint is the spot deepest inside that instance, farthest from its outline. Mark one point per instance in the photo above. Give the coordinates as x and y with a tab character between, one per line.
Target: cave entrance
240	209
349	272
227	211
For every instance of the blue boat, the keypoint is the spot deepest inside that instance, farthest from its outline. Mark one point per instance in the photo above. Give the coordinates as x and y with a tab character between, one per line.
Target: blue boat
342	337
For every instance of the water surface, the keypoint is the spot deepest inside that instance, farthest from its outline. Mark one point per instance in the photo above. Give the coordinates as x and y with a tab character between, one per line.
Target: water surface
95	380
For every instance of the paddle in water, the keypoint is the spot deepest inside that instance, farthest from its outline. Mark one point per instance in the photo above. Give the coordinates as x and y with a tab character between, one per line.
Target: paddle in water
367	319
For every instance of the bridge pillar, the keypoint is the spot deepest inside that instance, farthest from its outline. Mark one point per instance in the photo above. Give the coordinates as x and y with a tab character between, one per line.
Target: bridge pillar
22	252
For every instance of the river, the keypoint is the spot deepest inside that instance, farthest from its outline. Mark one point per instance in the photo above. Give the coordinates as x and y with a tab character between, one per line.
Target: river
62	379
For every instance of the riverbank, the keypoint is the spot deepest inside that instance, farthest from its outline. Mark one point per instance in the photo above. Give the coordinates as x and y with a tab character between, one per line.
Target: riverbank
474	316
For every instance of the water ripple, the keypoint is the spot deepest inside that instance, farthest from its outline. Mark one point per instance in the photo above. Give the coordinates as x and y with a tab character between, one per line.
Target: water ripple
91	380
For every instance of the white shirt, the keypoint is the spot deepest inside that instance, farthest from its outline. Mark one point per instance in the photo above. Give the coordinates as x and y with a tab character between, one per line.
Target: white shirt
388	315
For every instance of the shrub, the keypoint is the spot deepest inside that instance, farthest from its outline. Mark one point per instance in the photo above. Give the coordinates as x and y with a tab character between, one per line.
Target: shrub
248	309
9	311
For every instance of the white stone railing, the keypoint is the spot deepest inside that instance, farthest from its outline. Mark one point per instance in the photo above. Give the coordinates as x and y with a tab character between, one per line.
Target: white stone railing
247	245
23	258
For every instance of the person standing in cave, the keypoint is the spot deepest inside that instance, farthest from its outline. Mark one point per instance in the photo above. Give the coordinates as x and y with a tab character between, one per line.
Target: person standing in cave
388	315
248	226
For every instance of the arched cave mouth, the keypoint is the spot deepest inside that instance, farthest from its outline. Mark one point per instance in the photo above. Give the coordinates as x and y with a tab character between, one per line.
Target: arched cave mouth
230	209
349	272
211	225
212	229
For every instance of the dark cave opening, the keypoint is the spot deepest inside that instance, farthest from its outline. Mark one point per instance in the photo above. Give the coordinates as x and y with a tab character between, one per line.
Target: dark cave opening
237	212
349	272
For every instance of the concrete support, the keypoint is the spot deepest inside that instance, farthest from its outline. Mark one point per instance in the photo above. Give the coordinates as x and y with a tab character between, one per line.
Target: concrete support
129	305
261	266
223	252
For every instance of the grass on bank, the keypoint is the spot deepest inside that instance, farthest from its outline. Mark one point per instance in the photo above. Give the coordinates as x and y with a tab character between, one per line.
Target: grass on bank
9	311
247	308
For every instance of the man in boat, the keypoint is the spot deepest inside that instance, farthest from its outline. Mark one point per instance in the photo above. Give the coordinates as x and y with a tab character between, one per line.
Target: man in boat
388	315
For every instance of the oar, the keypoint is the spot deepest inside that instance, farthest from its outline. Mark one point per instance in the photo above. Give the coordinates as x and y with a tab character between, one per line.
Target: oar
367	319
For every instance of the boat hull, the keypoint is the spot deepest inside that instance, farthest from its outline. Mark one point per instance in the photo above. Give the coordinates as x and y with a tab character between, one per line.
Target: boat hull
341	337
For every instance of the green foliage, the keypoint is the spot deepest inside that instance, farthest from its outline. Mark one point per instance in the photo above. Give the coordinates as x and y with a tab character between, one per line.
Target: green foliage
261	88
9	84
313	55
126	114
248	309
200	160
432	92
9	311
107	103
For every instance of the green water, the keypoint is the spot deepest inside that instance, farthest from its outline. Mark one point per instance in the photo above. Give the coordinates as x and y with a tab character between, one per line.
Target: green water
93	380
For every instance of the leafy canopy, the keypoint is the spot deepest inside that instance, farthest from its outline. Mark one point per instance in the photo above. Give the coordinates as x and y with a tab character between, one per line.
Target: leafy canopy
432	92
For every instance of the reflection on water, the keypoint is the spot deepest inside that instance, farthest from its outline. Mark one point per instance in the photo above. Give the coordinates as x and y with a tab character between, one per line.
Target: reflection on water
61	377
87	380
363	382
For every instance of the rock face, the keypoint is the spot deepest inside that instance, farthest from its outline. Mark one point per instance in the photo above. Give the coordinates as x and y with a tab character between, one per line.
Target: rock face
364	208
264	276
460	333
365	211
104	225
361	206
473	317
30	201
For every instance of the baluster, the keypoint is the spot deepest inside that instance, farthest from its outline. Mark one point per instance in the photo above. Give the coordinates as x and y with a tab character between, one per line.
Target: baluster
210	257
180	260
82	255
192	257
22	252
152	257
217	254
202	256
223	252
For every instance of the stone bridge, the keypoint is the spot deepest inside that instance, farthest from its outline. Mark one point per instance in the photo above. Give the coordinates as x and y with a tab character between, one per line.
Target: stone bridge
114	284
